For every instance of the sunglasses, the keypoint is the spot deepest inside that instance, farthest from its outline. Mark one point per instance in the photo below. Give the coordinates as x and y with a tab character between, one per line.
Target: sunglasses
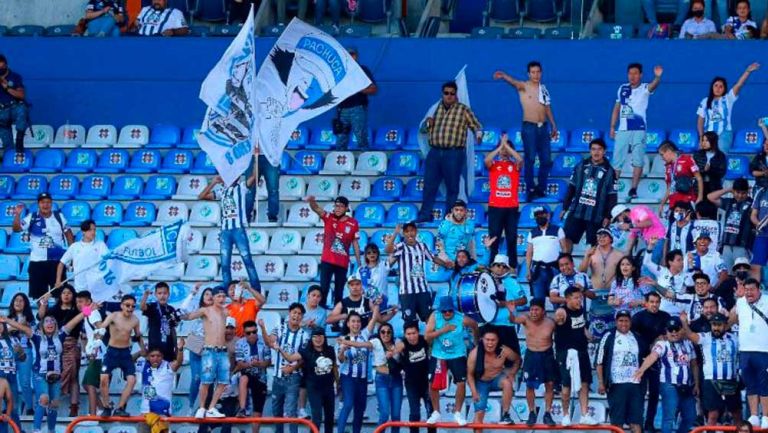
250	332
129	306
385	332
449	93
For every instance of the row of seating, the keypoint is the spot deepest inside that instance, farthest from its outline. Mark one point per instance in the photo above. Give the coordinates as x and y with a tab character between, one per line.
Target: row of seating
747	140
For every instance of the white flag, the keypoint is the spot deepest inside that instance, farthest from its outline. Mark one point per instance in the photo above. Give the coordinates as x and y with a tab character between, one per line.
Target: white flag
229	130
137	258
306	73
468	177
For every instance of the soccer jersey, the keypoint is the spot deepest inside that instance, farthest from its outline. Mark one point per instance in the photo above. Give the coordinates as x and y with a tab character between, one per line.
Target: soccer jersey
455	236
232	199
83	255
717	117
721	356
246	352
594	186
157	388
633	102
46	235
339	233
411	259
675	361
710	227
356	362
504	181
153	22
684	166
291	342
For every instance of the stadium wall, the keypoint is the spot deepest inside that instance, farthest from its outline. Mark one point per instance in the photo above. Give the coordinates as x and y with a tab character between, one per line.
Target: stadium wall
156	80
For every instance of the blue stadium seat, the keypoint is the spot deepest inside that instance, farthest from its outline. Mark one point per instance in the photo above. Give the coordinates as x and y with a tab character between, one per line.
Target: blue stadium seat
505	11
7	208
80	161
24	273
526	216
29	186
487	32
523	33
127	187
18	243
76	212
3	30
481	191
556	215
145	161
3	239
16	162
48	161
401	213
112	161
203	164
412	139
581	137
654	138
61	30
273	31
119	236
354	145
374	11
370	214
542	10
476	214
561	33
210	10
379	238
285	162
478	164
177	161
64	186
436	274
9	267
558	143
738	166
108	213
687	140
555	192
403	163
306	162
386	189
26	30
615	31
748	140
164	136
189	138
322	139
100	235
428	238
7	184
159	187
299	138
224	30
139	214
414	190
490	139
562	165
95	187
389	138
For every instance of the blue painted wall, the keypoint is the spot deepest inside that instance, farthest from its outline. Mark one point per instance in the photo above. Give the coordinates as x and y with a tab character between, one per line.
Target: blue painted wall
134	80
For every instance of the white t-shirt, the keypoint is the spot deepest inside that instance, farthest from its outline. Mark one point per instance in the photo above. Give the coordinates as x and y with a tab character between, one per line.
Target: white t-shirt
546	248
46	243
156	387
718	117
626	357
696	28
633	105
753	331
379	353
711	264
152	22
82	255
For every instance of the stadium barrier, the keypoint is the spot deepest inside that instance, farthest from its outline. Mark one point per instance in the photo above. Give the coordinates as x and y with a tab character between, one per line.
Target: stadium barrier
718	428
192	420
10	422
472	426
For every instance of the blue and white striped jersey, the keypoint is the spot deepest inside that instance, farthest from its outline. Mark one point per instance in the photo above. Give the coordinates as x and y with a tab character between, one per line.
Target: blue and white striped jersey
233	213
153	22
718	117
291	342
356	362
721	356
675	360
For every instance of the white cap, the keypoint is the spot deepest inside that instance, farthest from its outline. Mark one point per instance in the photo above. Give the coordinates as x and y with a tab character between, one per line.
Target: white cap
231	322
618	210
501	259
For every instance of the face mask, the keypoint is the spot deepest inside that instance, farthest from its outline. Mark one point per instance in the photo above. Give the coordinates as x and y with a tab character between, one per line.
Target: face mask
540	221
679	216
698	13
626	220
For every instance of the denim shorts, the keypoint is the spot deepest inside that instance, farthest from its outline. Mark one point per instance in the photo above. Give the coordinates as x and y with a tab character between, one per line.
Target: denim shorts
486	387
215	364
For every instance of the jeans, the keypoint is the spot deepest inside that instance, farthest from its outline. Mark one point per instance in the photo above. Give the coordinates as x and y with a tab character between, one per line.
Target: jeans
24	379
196	370
671	403
503	219
11	378
389	395
541	280
240	238
282	5
339	275
104	25
53	391
15	114
285	400
354	395
356	118
322	403
651	386
272	179
536	142
442	165
416	390
335	11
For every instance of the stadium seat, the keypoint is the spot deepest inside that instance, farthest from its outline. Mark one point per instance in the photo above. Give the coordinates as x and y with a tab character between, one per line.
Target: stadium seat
299	138
69	136
211	11
108	213
101	136
338	163
403	164
555	191
10	290
313	243
300	268
322	139
159	187
355	188
189	138
7	184
653	139
26	30
292	187
738	166
212	244
177	161
270	268
627	169
28	187
273	31
285	242
650	191
170	212
112	161
476	214
16	162
37	136
205	214
48	161
224	30
133	136
164	136
481	191
478	164
172	273
623	186
526	216
370	214
80	161
388	189
581	137
401	213
561	33
306	162
687	140
658	168
139	214
127	187
202	165
379	238
615	31
76	212
388	138
64	30
490	140
145	161
280	295
505	11
64	186
748	140
189	187
322	187
563	164
119	236
414	190
195	240
258	241
371	164
487	32
412	139
9	268
95	187
201	268
18	243
523	33
7	209
301	215
436	273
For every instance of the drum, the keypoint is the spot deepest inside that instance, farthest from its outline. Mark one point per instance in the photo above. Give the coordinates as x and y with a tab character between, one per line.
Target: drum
601	317
473	297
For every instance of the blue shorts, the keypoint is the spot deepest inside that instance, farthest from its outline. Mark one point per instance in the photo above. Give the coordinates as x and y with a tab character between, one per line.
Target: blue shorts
484	388
753	370
760	251
118	359
539	367
215	364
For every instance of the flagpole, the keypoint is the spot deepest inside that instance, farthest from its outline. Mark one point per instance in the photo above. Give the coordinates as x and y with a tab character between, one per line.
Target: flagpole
81	271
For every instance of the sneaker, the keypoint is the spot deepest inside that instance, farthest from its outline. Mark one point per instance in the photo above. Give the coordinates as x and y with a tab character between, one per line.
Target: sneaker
106	412
506	419
632	194
566	422
303	414
120	412
241	413
586	419
214	413
200	414
459	418
548	420
764	422
434	418
531	418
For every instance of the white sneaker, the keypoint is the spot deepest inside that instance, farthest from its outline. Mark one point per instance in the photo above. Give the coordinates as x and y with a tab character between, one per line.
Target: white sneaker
754	420
214	413
586	419
434	418
764	422
459	418
303	413
566	422
200	413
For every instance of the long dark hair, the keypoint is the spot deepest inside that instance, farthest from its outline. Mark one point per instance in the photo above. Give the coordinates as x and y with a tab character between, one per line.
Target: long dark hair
26	311
635	272
712	139
470	262
712	92
391	329
202	296
368	248
63	288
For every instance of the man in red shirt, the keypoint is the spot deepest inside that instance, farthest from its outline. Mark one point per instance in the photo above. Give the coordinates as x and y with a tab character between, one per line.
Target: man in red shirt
503	203
684	181
340	232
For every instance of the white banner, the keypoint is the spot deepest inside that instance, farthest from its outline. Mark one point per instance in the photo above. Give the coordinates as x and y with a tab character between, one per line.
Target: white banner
137	258
229	129
306	73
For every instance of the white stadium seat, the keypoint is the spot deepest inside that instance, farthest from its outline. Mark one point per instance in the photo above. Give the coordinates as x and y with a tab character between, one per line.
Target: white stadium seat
355	188
212	243
658	168
37	136
339	163
323	187
270	268
650	191
258	241
301	268
133	136
285	241
69	136
292	187
170	212
174	273
100	136
371	164
301	215
313	242
205	214
190	186
280	296
201	268
195	242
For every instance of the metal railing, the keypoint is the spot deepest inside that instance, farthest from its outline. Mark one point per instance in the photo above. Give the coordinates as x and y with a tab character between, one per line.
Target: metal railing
472	426
191	420
718	428
11	423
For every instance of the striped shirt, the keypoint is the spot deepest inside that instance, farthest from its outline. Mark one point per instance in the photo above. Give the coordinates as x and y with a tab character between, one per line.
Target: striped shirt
7	354
232	205
291	342
153	22
592	191
717	118
721	356
675	361
356	362
450	127
411	261
693	305
48	351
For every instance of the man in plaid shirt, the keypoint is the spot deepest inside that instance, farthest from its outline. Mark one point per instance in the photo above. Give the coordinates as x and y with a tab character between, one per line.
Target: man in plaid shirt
447	158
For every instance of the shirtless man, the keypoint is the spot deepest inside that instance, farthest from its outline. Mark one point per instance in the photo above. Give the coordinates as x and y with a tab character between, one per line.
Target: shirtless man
539	365
215	360
602	260
121	325
537	110
6	399
485	373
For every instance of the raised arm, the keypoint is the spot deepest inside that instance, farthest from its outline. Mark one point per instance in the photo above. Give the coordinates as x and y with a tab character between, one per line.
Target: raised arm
316	208
657	71
269	340
42	305
336	315
73	323
389	248
501	75
144	297
176	364
743	79
207	192
258	297
16	325
714	196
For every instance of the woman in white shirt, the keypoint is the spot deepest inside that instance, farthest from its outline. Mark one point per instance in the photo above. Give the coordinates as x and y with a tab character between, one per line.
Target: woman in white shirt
697	25
389	378
194	343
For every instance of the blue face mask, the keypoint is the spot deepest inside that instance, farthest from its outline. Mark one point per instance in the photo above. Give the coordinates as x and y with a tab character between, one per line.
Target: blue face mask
679	216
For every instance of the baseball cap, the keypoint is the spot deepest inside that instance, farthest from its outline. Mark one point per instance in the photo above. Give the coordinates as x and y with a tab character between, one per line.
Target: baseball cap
343	200
618	210
43	196
501	259
540	209
718	318
446	304
605	232
703	235
460	203
674	324
741	262
231	322
353	277
623	313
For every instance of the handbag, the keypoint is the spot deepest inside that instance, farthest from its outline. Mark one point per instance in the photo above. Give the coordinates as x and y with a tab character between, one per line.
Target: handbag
195	344
726	387
440	378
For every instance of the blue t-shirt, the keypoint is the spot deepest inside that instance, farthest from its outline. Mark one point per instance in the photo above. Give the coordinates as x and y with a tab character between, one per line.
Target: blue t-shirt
455	236
14	82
